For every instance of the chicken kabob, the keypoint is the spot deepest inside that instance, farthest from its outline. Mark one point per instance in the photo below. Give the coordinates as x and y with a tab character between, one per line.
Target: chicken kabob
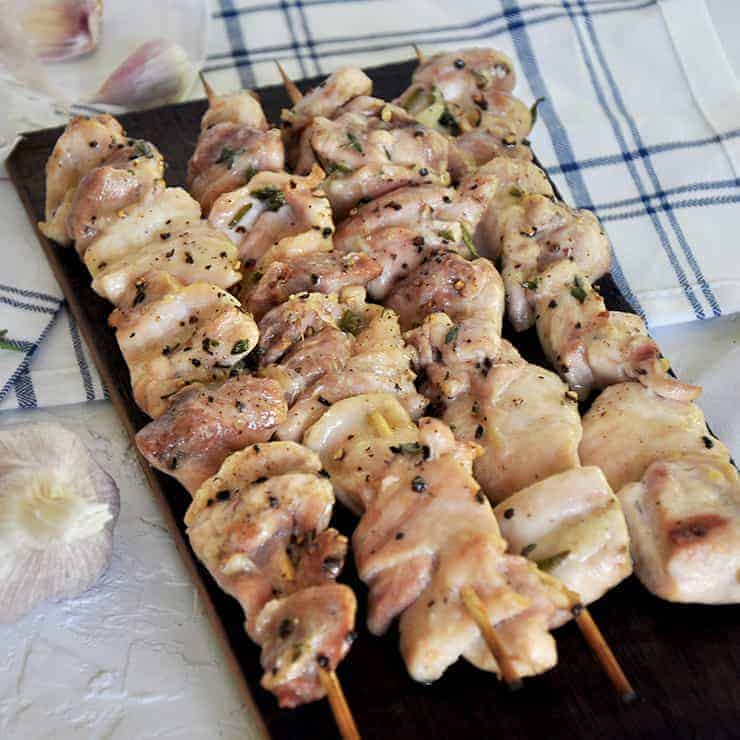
550	256
394	236
325	347
184	341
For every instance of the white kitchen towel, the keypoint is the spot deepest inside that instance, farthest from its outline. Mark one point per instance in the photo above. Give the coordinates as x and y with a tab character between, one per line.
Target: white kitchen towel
641	124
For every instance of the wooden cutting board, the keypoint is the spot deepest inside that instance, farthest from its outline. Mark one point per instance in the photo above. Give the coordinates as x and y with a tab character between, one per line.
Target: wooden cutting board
683	660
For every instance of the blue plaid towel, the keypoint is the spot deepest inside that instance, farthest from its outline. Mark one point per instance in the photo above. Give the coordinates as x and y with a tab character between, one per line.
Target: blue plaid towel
641	123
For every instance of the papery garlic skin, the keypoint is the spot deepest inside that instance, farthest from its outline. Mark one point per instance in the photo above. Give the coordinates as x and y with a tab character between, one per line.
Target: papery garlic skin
157	73
58	508
58	30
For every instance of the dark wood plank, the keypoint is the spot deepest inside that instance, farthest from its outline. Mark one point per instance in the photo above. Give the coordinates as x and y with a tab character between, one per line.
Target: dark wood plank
683	660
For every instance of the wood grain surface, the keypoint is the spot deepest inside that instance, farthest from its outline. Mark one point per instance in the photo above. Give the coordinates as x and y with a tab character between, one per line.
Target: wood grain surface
683	660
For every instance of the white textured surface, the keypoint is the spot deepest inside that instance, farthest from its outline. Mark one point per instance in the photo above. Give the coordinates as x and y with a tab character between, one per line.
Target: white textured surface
135	656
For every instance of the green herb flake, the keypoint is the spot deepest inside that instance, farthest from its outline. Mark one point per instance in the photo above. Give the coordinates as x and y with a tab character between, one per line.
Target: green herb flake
406	448
5	344
354	142
447	235
468	239
529	284
549	564
350	322
227	156
143	149
240	347
578	291
515	192
452	334
333	167
272	197
240	214
249	173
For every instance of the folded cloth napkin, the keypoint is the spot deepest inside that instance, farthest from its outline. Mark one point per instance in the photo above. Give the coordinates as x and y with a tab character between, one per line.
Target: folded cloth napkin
641	124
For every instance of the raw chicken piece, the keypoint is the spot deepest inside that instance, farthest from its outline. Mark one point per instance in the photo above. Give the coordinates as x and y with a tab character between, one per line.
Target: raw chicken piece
204	424
591	347
276	214
684	522
199	253
509	398
260	527
572	526
84	145
628	427
194	334
129	174
531	232
163	211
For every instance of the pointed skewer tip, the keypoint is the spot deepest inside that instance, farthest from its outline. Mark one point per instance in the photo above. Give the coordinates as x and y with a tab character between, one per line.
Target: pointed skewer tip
419	53
210	92
290	87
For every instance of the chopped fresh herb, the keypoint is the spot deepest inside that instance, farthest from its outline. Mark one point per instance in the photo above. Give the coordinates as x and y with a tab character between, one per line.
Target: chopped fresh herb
515	192
227	156
418	484
548	564
708	442
350	322
450	122
447	235
527	549
475	409
333	167
249	173
468	240
240	347
406	448
286	628
481	79
272	197
452	333
530	284
254	277
240	214
143	149
5	344
577	291
354	142
533	112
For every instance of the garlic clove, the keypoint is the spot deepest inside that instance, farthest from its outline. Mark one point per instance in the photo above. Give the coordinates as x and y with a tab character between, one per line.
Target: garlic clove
58	508
62	29
158	72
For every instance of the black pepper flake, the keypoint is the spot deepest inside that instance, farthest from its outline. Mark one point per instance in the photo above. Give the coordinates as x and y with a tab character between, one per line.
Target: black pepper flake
394	205
350	637
172	465
195	362
286	628
460	63
527	549
399	535
274	502
314	278
553	304
418	241
165	235
418	484
423	171
140	293
189	258
426	452
576	610
239	405
323	401
479	431
708	442
261	479
324	473
326	233
223	495
322	660
508	513
480	498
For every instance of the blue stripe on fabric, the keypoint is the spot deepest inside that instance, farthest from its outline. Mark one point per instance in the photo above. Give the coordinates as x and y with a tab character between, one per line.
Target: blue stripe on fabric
693	187
31	294
295	45
558	134
276	6
646	151
27	306
408	36
662	235
622	108
301	5
24	391
80	356
688	203
25	363
237	42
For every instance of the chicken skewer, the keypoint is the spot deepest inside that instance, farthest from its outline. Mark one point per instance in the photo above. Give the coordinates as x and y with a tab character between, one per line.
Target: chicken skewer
606	657
155	307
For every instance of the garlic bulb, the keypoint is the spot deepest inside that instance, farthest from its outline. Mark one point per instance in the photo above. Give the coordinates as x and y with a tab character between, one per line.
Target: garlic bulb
58	508
158	72
62	29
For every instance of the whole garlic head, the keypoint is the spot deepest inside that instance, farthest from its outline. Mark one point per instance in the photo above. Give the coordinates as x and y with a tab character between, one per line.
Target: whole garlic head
58	508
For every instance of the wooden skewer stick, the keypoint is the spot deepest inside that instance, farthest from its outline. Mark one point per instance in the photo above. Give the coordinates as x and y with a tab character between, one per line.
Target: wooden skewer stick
477	610
471	600
595	639
339	707
290	87
210	92
419	53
